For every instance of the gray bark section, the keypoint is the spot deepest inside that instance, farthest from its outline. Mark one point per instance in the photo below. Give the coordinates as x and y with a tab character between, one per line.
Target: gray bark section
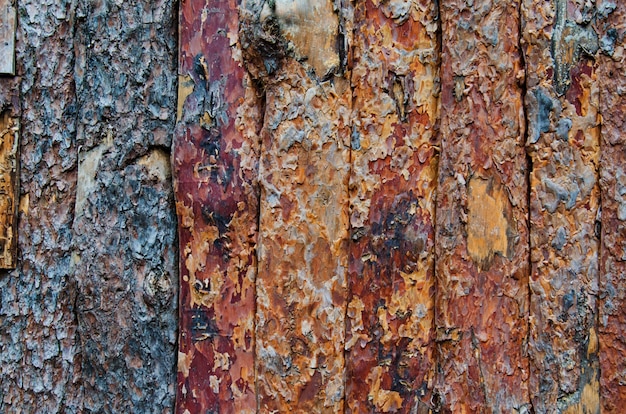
125	227
39	358
88	319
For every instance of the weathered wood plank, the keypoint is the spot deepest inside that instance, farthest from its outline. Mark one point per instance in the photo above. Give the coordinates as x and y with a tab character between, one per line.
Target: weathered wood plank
8	22
563	143
482	229
612	302
9	178
301	282
390	324
215	167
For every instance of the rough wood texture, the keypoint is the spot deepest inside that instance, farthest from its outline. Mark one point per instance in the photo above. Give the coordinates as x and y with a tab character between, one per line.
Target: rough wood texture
39	356
349	134
9	193
8	25
563	144
215	168
96	229
612	304
482	212
124	256
301	283
389	343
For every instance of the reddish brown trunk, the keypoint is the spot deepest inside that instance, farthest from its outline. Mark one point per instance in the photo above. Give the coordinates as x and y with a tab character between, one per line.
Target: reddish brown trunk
301	283
390	364
612	303
215	167
482	212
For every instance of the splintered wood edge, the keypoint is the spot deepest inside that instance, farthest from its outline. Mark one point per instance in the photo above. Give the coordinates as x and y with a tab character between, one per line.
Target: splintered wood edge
9	138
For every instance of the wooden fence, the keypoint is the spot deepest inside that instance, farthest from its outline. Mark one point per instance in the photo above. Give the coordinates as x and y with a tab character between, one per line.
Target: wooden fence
401	206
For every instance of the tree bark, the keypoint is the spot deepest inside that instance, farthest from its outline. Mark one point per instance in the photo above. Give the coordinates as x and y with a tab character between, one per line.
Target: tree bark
89	314
382	206
563	140
482	212
301	282
40	356
124	239
611	76
215	160
390	359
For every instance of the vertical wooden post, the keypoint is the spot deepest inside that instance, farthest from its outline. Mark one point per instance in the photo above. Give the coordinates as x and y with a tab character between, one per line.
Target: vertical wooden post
9	137
389	343
563	144
482	212
612	306
301	283
215	164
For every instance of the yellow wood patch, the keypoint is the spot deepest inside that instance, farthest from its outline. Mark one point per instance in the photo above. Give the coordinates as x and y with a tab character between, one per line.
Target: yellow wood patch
9	131
487	222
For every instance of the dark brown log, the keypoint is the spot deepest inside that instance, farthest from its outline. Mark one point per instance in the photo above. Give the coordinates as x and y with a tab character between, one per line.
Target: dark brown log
563	144
482	212
611	76
390	325
215	169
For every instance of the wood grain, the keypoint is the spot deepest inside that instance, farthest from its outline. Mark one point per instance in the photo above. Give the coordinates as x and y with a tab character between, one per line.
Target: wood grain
8	24
9	188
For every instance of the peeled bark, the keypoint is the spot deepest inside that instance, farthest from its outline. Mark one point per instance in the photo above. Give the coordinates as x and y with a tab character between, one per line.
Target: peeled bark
348	240
482	210
563	140
9	181
611	76
390	329
215	170
301	282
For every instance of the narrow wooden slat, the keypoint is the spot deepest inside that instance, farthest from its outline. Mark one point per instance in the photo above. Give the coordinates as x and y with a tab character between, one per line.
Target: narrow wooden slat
612	303
9	178
8	24
215	163
563	142
482	212
301	283
9	137
389	365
